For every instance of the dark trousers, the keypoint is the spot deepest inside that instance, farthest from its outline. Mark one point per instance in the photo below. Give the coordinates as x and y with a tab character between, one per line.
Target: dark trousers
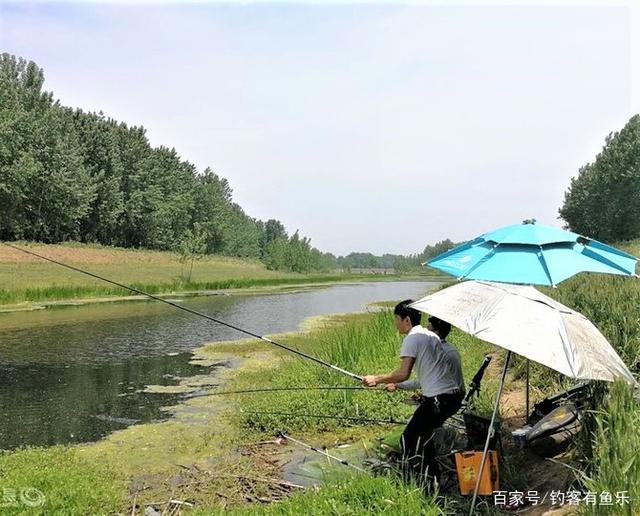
418	450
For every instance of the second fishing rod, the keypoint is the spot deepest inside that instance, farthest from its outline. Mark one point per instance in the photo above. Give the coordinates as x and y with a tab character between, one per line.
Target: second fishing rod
191	311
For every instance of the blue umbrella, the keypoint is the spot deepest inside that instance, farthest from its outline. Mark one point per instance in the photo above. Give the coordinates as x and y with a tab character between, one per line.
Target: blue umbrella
532	254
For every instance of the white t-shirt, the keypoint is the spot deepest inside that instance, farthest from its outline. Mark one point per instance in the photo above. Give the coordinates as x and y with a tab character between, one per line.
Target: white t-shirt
437	363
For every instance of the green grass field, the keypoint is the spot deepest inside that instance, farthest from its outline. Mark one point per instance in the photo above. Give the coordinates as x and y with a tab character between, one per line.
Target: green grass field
24	278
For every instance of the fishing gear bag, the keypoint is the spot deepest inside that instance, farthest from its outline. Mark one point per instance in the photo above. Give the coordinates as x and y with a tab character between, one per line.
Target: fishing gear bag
555	431
579	395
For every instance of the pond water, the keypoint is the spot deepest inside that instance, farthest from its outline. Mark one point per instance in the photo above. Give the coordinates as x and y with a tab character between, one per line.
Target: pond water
75	373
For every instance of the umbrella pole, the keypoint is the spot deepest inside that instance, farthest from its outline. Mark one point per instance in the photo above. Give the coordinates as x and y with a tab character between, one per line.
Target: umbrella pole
526	414
489	433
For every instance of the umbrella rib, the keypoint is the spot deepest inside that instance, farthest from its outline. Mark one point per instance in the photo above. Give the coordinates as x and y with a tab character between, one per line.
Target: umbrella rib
591	253
543	262
457	249
482	260
568	345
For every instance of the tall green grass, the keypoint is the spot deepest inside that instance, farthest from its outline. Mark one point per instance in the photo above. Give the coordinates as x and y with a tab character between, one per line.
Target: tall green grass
354	494
615	461
61	292
364	344
610	445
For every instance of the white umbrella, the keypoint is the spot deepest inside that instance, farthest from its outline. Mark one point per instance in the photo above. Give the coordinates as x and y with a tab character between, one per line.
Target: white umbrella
523	320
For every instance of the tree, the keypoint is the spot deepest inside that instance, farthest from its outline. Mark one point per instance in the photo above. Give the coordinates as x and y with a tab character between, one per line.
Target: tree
271	230
431	251
212	207
603	201
193	246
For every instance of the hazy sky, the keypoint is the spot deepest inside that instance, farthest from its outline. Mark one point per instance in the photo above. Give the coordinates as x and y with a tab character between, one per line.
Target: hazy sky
368	127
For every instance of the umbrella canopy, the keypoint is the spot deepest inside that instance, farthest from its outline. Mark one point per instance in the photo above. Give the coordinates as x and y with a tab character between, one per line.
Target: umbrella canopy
523	320
533	254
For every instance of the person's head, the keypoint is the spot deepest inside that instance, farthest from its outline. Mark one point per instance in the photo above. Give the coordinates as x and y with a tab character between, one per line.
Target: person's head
406	317
442	328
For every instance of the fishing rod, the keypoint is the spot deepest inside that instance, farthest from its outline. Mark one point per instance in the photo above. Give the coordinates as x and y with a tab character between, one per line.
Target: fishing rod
189	310
389	421
281	389
321	452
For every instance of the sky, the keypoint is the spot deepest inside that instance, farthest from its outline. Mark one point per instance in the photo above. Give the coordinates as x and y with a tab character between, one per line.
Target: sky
369	127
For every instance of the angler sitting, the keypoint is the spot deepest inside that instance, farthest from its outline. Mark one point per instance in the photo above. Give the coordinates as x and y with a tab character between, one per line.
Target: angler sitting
439	374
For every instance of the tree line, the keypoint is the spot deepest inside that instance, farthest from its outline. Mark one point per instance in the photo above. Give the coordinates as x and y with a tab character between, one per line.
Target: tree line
603	200
398	262
70	175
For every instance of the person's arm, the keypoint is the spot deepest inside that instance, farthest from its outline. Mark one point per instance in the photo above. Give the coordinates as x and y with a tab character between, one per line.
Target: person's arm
399	375
409	385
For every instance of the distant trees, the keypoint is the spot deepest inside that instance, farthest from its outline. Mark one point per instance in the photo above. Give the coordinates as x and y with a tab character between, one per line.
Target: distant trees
603	201
398	262
295	254
70	175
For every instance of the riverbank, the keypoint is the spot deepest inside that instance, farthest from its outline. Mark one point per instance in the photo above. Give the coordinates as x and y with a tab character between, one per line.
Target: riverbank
28	283
259	287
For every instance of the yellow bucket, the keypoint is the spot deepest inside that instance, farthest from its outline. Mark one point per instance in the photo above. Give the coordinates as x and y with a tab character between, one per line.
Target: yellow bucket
468	465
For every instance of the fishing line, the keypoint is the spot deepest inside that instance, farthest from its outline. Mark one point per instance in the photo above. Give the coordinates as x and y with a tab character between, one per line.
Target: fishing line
389	421
189	310
322	452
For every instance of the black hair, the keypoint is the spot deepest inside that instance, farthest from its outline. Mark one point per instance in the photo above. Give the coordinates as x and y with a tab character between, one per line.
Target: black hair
404	310
441	327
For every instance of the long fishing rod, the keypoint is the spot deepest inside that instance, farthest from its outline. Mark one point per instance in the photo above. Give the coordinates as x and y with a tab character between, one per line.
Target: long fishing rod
322	452
281	389
189	310
389	421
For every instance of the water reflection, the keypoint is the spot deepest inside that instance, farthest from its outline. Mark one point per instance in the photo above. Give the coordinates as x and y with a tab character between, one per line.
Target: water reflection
52	403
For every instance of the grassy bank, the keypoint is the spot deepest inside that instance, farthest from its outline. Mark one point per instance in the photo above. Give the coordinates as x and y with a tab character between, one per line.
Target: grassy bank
354	494
24	278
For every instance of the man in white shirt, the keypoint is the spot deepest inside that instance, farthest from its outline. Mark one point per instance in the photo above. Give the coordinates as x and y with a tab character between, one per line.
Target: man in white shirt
439	374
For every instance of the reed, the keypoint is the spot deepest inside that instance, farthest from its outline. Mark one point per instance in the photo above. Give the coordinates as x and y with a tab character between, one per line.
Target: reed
608	449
